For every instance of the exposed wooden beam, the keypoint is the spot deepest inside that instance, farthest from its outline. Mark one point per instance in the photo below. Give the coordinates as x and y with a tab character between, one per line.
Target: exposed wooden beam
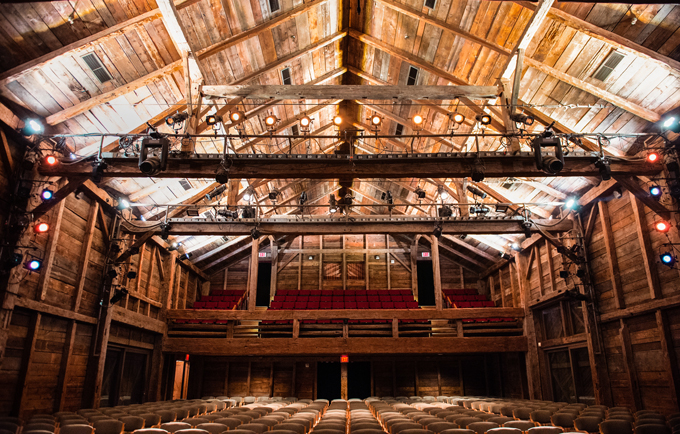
530	29
58	196
9	118
462	256
350	92
617	41
88	104
6	154
470	247
631	184
612	257
648	255
618	101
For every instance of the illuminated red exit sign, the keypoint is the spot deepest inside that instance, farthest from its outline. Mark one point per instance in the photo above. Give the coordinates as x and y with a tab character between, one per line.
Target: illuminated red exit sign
426	254
262	254
344	358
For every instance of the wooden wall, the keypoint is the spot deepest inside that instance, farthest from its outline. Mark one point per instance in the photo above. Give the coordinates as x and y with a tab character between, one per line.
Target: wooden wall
492	374
635	344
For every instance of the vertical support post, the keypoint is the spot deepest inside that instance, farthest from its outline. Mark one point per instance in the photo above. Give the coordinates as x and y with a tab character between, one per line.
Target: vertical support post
152	268
320	261
344	265
271	379
300	255
462	276
226	379
515	302
439	380
62	382
226	275
84	260
168	287
395	328
629	364
387	262
502	289
612	258
252	277
539	268
343	380
414	268
436	271
275	267
50	250
367	271
646	247
27	360
532	359
669	357
296	328
551	266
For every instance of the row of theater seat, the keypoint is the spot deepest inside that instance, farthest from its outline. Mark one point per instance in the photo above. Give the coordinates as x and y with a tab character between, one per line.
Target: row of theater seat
468	298
347	293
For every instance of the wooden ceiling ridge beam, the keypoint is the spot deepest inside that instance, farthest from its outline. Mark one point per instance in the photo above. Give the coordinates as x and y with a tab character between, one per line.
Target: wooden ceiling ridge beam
422	64
247	34
611	38
612	98
470	247
494	193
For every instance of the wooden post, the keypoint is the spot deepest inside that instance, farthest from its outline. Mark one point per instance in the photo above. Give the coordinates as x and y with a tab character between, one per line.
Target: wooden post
26	361
152	267
612	258
367	272
500	284
629	363
343	380
539	268
414	268
250	370
252	277
344	265
515	302
300	259
156	374
387	262
50	250
185	293
167	287
646	247
551	266
140	267
320	261
462	276
669	356
436	271
532	359
275	267
271	379
226	379
62	383
439	380
84	260
296	328
395	328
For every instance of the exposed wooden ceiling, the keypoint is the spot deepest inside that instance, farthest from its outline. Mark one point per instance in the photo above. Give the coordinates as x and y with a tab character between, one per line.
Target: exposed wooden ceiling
143	46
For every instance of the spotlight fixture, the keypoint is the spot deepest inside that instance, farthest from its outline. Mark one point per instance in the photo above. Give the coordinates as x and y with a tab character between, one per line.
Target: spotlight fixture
153	165
33	264
32	126
98	171
174	246
417	122
388	198
303	198
668	259
522	118
479	209
376	120
131	274
502	208
662	226
273	194
572	203
41	228
504	255
445	211
441	191
655	191
483	118
165	231
604	168
249	194
192	212
458	118
476	191
477	171
118	295
310	257
305	123
222	175
248	212
462	236
122	204
213	121
437	231
526	227
46	194
672	123
564	274
337	120
551	164
50	160
237	116
517	247
332	203
216	192
176	121
185	256
377	257
14	259
227	213
270	121
652	157
255	233
112	273
420	193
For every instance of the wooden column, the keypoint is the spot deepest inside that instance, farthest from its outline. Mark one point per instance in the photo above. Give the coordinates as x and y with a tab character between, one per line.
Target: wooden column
343	381
532	359
344	265
648	257
539	268
250	371
226	379
388	262
26	362
629	363
168	286
500	285
156	374
275	267
612	258
252	279
271	379
50	250
462	276
320	261
551	266
515	301
67	352
436	271
152	268
185	293
414	267
300	259
670	359
85	250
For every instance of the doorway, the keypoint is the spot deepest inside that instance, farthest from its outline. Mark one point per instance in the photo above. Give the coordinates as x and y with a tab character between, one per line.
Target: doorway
359	380
571	378
328	381
425	283
125	372
264	278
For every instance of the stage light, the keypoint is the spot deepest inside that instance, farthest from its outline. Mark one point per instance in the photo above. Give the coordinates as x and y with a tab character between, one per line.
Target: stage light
185	256
32	126
176	121
458	118
46	194
303	198
662	226
213	121
604	168
526	227
442	192
478	169
445	211
237	117
476	191
417	122
248	212
165	231
672	123
332	203
516	246
305	122
388	198
50	160
222	175
502	208
153	165
437	231
652	157
270	121
479	209
522	118
41	228
249	194
667	259
504	255
123	204
273	194
174	246
571	203
255	233
118	295
483	118
216	192
551	164
337	120
420	193
376	120
655	191
227	213
33	264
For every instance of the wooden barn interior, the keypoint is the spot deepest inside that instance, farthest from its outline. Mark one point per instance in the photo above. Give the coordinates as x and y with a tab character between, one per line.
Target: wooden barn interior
339	217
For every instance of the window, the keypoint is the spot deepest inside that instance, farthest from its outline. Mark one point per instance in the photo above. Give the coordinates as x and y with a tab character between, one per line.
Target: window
274	6
185	184
399	130
285	76
355	271
412	76
430	3
93	62
332	271
608	66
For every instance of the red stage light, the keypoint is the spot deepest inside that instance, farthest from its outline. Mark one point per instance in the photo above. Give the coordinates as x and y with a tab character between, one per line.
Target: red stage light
652	157
51	160
662	226
41	228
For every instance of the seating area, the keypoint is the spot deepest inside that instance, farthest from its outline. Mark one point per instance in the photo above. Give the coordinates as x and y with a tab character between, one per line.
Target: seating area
217	300
468	298
387	415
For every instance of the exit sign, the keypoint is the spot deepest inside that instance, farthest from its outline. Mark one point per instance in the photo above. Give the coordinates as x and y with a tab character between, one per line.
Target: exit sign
344	358
426	254
262	254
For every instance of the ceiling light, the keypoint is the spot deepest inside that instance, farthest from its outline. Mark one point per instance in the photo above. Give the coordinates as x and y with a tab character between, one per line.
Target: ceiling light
165	231
458	118
273	194
437	231
483	118
420	193
445	211
388	198
652	157
47	194
442	192
216	192
516	246
50	160
305	123
377	257
41	228
668	259
337	120
213	121
477	174
662	226
551	164
32	126
237	117
604	168
33	264
571	203
255	234
176	121
476	191
123	204
672	123
303	198
310	257
522	118
655	191
270	121
376	120
417	122
502	207
222	175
